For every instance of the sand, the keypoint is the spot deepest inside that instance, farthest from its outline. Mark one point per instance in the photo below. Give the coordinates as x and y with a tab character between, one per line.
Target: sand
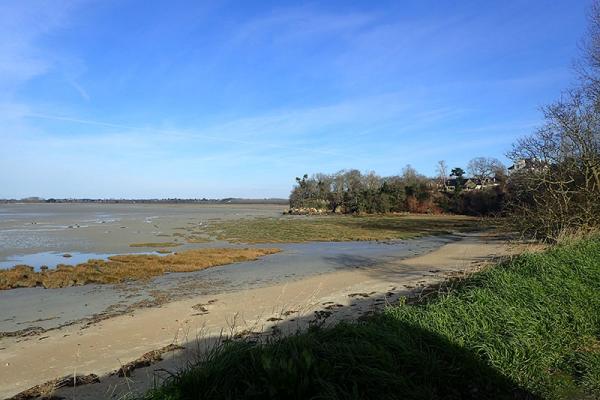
194	323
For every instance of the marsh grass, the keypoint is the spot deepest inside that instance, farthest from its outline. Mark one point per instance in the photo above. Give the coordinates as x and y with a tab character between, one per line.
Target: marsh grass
337	228
126	267
525	329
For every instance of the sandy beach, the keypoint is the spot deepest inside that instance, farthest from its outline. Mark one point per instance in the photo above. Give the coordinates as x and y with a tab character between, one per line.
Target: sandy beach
190	324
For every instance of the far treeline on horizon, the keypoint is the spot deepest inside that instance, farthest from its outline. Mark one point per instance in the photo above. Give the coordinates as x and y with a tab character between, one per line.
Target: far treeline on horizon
38	200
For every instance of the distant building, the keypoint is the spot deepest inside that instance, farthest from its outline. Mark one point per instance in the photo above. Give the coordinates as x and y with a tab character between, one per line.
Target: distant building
468	184
527	164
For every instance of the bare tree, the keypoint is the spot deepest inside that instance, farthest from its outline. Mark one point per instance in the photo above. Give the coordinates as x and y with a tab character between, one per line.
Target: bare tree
588	67
410	175
336	197
442	171
485	167
371	181
558	189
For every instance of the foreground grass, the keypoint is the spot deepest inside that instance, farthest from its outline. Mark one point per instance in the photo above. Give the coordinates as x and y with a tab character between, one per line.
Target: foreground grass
529	328
337	228
125	267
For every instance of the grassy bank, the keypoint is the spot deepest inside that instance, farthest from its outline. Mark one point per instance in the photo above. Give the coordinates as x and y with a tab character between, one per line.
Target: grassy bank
336	228
529	328
125	267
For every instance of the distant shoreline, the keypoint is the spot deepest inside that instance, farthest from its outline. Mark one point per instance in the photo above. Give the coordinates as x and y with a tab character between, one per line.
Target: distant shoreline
146	201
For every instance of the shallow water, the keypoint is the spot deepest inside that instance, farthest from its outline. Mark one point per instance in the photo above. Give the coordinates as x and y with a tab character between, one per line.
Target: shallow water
52	259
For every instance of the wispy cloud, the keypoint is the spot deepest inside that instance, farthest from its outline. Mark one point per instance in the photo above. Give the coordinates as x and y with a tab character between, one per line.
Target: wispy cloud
296	24
79	89
164	134
311	130
22	24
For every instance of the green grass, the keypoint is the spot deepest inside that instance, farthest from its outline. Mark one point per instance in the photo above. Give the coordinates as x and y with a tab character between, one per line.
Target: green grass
337	228
528	328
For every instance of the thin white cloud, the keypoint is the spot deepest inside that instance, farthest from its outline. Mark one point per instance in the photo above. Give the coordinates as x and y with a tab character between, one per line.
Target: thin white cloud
299	23
179	134
79	89
22	24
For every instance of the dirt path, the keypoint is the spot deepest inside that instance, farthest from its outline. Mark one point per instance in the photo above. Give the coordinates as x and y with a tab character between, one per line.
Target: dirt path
105	347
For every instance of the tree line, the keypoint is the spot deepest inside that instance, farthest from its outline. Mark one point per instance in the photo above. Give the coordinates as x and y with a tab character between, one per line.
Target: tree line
352	192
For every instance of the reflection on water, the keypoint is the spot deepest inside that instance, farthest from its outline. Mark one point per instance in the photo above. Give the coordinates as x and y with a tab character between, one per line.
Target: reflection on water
50	259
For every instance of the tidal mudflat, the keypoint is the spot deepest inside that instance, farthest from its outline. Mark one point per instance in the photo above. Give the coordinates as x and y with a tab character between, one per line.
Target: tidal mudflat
40	234
317	257
46	234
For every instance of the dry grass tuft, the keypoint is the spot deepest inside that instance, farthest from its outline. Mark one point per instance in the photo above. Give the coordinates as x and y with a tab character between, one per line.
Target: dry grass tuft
126	267
164	251
45	390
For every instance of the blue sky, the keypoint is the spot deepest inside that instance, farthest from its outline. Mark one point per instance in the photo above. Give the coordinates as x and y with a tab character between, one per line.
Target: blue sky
216	99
